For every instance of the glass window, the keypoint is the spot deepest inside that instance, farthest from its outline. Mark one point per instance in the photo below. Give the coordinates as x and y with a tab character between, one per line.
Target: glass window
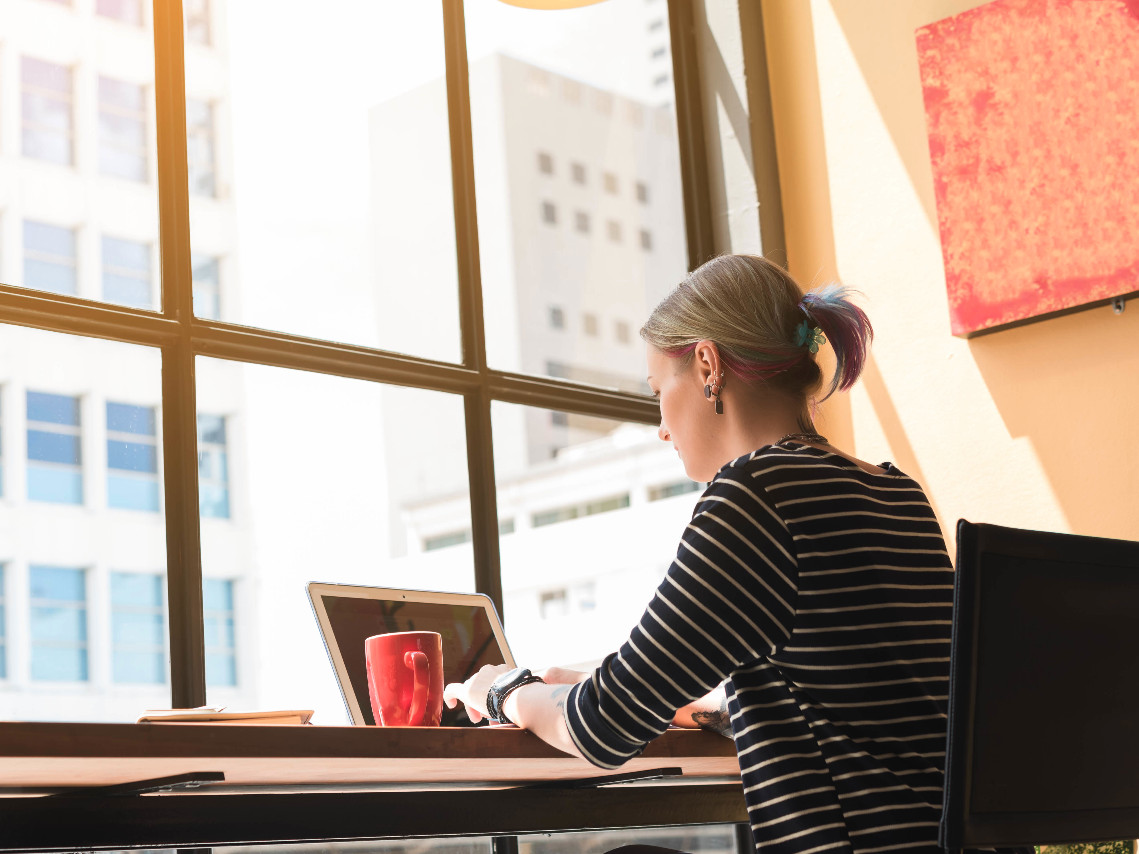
138	628
578	486
589	324
581	221
55	456
207	285
58	624
610	183
127	11
197	15
213	467
642	192
122	128
132	457
577	172
127	273
545	163
1	450
549	213
557	317
613	230
384	501
621	332
50	258
646	239
48	124
201	157
221	643
349	182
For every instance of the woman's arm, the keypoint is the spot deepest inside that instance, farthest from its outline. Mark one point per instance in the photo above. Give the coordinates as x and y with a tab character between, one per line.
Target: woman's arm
538	707
708	712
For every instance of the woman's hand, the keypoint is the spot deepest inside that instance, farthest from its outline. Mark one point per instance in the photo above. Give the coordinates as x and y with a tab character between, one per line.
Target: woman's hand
472	693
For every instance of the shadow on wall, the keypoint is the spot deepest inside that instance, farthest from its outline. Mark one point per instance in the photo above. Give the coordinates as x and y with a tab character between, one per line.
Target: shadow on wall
1071	385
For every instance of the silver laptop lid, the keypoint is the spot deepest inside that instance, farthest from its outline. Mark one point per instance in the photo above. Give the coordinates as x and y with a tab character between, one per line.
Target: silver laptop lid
348	614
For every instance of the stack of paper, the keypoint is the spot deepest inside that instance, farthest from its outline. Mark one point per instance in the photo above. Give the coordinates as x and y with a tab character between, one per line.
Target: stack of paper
218	715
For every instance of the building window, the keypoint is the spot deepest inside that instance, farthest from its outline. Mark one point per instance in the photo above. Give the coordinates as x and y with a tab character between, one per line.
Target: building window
48	121
557	317
577	173
581	222
127	11
577	511
589	324
505	526
646	239
613	229
549	213
668	490
126	273
55	462
122	129
138	628
621	330
1	472
207	285
659	52
442	541
642	192
609	181
545	163
221	646
50	258
213	467
656	25
571	91
553	603
661	80
132	457
58	624
200	154
197	15
559	419
635	114
603	102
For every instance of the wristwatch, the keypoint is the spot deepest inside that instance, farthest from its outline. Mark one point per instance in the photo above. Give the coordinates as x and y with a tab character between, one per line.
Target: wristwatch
503	687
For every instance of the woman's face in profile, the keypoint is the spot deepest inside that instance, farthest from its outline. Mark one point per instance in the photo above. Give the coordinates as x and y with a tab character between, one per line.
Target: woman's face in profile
685	414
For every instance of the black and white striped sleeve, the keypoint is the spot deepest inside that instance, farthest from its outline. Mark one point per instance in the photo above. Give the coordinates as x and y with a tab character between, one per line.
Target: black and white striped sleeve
728	598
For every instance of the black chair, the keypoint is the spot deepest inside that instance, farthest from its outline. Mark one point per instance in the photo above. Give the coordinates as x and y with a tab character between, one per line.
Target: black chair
1044	690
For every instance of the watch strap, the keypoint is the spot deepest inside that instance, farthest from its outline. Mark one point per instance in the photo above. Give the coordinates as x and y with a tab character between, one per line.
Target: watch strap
503	688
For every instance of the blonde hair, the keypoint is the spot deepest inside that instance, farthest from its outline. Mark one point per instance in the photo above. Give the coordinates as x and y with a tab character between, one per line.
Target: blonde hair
766	329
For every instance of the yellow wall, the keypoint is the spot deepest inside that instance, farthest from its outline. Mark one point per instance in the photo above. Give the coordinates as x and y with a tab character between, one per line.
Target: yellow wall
1034	427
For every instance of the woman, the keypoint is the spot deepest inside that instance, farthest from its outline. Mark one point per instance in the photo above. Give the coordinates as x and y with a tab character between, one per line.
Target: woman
816	587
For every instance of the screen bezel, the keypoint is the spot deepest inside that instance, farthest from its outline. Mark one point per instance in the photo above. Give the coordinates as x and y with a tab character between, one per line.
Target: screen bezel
318	590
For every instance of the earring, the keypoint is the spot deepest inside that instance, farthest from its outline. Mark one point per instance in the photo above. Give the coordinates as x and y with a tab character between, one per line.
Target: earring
711	391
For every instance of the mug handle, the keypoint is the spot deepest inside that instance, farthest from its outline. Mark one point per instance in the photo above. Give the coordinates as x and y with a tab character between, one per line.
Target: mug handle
418	662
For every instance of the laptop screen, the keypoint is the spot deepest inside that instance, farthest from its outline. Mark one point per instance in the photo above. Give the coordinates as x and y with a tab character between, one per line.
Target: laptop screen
356	613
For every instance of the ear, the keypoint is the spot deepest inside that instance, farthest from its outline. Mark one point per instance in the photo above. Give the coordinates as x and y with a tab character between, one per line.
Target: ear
706	357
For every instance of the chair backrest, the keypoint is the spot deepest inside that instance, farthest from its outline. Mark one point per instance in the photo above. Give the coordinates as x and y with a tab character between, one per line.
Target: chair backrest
1044	690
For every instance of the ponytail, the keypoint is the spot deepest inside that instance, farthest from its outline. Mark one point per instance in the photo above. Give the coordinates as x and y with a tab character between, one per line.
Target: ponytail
845	326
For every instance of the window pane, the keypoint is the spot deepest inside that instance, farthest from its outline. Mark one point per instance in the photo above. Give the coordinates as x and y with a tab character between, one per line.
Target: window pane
332	183
578	487
579	91
126	273
47	102
82	536
325	476
78	145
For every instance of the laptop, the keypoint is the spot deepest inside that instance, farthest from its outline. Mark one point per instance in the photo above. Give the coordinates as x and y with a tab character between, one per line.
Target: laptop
348	614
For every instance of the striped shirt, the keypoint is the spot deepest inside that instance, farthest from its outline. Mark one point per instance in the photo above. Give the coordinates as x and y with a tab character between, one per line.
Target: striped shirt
823	594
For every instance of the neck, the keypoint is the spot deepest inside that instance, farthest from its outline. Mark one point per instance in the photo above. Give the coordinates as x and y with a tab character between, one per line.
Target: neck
757	417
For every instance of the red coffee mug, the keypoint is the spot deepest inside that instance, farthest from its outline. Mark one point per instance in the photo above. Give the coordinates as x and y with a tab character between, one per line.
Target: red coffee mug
405	678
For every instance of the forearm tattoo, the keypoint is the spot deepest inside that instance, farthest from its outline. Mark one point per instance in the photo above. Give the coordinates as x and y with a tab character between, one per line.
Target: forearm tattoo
717	721
559	696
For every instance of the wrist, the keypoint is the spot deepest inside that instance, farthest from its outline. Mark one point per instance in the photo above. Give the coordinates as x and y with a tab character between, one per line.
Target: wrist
503	688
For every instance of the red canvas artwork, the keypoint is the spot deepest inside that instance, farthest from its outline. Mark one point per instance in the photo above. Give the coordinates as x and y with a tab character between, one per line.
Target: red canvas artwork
1032	109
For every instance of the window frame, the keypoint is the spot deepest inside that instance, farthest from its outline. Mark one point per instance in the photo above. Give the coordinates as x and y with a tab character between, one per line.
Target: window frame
181	337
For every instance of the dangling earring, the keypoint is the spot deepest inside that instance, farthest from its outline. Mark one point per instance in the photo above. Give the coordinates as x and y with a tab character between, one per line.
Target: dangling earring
711	391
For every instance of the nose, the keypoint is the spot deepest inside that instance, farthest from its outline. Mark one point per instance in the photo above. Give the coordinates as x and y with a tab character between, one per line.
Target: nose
663	433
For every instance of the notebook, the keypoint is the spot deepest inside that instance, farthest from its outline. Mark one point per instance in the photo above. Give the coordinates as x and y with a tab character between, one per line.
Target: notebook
348	614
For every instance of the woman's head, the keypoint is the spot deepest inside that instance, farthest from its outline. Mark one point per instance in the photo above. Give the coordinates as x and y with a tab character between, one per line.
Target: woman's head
767	331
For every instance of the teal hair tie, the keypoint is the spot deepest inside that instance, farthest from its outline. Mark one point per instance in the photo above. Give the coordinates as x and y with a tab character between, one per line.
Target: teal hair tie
809	336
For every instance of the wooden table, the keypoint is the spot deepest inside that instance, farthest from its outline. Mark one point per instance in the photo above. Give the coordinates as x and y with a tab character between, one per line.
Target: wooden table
307	783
